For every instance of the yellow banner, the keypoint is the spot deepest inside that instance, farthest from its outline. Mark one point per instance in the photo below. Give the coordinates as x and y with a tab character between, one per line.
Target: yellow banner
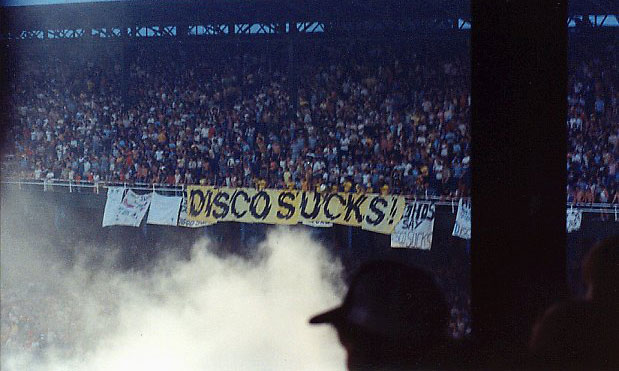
247	205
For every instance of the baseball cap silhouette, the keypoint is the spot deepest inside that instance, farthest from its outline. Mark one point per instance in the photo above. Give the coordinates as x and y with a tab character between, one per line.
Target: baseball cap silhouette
391	299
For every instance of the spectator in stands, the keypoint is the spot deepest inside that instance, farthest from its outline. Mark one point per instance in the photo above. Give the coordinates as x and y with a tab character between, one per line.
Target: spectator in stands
394	317
584	334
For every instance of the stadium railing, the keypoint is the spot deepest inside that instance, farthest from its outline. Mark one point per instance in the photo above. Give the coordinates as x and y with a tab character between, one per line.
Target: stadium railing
63	185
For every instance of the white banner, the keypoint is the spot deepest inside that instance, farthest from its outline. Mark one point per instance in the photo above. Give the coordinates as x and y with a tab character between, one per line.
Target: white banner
132	209
573	220
416	227
183	221
114	198
164	210
462	228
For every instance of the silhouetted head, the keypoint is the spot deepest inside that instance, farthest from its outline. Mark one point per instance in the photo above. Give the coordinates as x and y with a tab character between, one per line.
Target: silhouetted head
601	271
582	334
393	316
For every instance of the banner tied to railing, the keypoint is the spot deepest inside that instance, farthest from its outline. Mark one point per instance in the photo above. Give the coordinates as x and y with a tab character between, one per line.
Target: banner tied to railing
415	229
462	227
371	212
128	210
573	220
164	210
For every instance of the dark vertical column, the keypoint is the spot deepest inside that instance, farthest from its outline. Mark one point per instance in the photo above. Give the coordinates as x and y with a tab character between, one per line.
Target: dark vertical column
293	67
519	79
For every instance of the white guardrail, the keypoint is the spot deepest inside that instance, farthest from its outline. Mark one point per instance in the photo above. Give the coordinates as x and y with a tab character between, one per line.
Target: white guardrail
53	185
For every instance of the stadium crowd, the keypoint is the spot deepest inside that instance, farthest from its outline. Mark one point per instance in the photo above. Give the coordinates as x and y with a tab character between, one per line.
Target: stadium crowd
368	120
593	129
376	121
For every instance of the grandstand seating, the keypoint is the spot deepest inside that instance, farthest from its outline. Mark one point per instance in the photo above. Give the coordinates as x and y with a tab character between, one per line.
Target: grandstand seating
368	119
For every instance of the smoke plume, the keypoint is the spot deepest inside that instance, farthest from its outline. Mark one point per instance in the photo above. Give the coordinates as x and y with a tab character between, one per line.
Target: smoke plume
210	312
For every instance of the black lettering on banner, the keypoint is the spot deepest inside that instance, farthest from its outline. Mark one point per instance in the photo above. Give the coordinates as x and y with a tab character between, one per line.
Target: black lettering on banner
355	205
380	215
394	210
424	211
416	211
282	202
421	214
209	203
407	218
408	211
193	211
327	202
205	202
413	209
233	209
315	210
217	201
254	205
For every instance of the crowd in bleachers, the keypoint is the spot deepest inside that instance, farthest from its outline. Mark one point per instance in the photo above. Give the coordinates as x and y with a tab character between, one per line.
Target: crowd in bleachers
593	129
379	122
369	120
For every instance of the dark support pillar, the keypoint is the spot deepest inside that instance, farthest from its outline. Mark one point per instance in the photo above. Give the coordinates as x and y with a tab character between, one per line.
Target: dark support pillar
519	79
293	67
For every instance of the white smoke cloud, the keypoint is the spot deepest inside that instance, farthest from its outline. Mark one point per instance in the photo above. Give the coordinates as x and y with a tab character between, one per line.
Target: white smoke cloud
208	313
